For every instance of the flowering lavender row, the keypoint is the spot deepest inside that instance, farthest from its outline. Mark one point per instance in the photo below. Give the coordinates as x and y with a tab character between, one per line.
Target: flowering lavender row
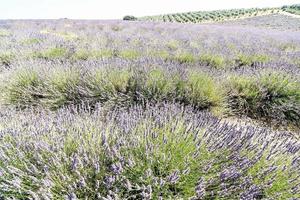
158	152
269	96
147	43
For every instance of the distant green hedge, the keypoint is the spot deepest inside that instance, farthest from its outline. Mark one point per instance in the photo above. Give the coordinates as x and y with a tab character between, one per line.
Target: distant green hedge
129	18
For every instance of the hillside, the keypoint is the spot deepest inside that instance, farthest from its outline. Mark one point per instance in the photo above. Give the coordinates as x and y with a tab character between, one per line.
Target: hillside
217	15
278	21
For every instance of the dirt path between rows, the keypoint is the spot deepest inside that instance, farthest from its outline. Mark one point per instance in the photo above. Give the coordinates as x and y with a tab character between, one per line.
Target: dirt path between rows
245	122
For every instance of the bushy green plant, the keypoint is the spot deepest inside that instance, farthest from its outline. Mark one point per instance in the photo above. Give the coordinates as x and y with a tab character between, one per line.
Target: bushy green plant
288	47
6	59
203	92
52	53
129	18
244	94
185	57
4	33
96	54
24	89
82	55
296	62
251	60
160	54
156	86
269	96
62	87
103	53
31	41
113	86
214	61
129	54
173	160
173	44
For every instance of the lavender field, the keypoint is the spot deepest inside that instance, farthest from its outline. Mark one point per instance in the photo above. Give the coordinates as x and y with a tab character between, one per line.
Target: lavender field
95	109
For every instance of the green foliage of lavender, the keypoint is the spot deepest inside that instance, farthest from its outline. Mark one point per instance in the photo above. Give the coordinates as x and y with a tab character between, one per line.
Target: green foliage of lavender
271	96
56	88
6	59
161	152
51	53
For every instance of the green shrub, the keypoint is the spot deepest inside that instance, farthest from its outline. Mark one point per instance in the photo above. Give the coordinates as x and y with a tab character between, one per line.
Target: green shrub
129	18
53	53
95	89
62	87
24	89
282	93
156	86
172	156
6	59
185	57
261	58
251	60
244	94
119	80
296	62
214	61
271	96
173	45
31	41
203	92
104	53
160	54
129	54
4	33
82	55
110	86
288	47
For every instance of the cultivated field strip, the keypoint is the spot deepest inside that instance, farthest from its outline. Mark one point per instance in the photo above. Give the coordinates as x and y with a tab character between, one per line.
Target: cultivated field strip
221	15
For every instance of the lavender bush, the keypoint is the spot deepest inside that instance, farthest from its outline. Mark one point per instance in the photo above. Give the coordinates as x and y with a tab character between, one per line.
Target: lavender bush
165	151
271	96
